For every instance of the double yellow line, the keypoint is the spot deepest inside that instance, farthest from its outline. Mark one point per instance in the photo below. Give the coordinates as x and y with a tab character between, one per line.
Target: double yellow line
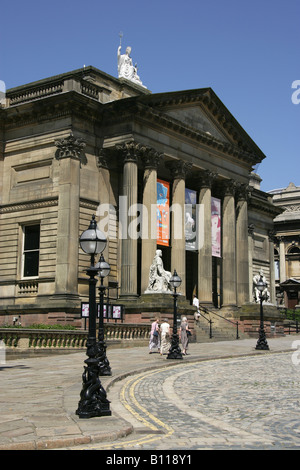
135	408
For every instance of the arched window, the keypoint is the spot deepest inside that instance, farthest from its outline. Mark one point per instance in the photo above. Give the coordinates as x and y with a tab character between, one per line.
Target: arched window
294	250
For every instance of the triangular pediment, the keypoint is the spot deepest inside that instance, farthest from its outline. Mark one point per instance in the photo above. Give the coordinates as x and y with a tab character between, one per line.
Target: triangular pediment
290	281
194	117
203	112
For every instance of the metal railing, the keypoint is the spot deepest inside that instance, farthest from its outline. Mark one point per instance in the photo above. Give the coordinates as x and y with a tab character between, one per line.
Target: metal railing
211	312
292	317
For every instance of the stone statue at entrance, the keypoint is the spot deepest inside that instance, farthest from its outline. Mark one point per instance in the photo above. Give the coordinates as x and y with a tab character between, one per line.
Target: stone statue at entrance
265	292
159	279
126	69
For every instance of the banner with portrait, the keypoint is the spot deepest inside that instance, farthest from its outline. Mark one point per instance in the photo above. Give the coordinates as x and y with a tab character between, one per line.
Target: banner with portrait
163	213
216	227
190	218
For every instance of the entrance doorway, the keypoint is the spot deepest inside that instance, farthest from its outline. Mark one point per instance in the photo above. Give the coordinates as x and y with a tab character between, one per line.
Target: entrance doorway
191	274
216	282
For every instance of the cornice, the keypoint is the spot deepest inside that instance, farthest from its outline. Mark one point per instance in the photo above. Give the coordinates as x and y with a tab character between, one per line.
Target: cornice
259	201
207	99
66	104
30	205
132	109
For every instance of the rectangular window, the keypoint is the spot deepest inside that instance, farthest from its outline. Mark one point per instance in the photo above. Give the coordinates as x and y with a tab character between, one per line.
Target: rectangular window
31	250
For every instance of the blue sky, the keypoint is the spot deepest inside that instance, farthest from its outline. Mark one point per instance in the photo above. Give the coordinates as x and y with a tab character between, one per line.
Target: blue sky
246	51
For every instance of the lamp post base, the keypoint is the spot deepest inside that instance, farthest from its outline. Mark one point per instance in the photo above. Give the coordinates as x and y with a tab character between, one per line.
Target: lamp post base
175	351
93	401
262	344
103	362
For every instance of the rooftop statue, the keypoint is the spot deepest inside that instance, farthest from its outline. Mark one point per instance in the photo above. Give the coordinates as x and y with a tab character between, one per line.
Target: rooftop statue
126	69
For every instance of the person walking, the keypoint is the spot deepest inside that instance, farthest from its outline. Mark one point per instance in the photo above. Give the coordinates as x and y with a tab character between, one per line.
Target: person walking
154	336
197	305
184	335
165	337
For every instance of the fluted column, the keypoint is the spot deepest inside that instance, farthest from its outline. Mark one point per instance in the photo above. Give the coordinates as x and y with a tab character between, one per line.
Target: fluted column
272	288
242	256
205	241
70	158
250	257
229	245
179	170
282	268
129	263
104	190
151	159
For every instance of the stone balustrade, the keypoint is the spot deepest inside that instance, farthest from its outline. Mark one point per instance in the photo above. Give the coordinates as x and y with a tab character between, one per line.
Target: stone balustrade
26	338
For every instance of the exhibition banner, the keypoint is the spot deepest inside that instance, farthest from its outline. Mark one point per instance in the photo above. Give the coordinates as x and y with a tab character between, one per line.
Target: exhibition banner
163	213
216	227
190	217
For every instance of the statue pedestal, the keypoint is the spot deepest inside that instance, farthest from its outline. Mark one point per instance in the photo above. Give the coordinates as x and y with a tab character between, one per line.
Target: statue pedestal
148	306
252	310
249	319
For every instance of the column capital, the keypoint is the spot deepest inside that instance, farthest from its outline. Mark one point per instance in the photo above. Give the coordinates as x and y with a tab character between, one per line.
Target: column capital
70	147
243	191
179	169
102	158
206	178
272	235
229	187
150	157
251	229
130	151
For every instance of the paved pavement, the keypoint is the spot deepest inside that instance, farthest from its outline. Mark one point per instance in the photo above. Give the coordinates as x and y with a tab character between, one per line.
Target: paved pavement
39	397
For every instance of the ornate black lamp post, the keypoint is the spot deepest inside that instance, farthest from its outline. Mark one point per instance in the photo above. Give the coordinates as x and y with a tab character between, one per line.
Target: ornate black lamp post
104	368
175	351
262	342
93	401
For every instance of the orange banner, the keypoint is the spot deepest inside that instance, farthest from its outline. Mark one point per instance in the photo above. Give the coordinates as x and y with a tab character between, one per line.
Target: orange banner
163	213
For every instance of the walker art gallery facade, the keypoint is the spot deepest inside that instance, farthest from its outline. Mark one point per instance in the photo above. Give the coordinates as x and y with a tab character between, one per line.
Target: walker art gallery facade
166	171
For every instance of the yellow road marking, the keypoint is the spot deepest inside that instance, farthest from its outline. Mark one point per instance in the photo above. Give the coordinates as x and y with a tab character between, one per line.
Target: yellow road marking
131	385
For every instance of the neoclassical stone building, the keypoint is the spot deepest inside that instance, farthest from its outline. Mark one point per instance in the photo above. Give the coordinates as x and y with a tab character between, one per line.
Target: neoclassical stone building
287	246
85	143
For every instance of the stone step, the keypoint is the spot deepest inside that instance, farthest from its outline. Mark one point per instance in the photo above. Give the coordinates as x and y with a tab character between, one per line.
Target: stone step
221	331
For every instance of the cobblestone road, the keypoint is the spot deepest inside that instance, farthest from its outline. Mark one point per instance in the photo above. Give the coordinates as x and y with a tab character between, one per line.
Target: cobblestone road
238	403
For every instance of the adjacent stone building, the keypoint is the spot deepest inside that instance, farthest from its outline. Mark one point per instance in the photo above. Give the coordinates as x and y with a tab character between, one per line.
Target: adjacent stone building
287	246
85	143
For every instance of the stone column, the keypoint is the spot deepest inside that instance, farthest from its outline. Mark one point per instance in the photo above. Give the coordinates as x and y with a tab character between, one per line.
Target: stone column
205	242
179	170
242	259
271	287
282	268
129	264
70	157
151	160
229	245
104	192
250	257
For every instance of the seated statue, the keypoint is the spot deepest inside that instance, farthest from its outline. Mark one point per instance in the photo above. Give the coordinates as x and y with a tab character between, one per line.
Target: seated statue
126	69
159	279
256	293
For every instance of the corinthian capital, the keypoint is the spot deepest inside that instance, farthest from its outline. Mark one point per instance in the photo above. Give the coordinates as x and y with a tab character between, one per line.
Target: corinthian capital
229	187
130	151
243	191
150	157
179	169
206	178
70	147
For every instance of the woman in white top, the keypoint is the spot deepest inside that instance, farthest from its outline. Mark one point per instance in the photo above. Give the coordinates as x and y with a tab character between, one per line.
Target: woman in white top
165	337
